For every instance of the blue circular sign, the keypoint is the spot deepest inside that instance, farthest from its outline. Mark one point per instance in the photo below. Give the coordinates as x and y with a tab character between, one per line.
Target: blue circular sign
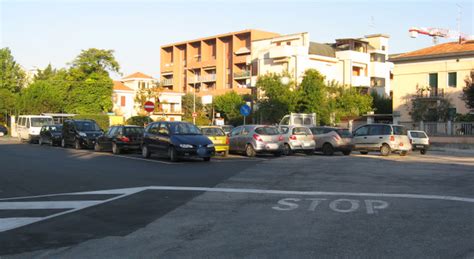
245	110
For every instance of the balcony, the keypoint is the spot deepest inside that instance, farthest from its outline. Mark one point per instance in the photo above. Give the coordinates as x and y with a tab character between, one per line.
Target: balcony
167	111
435	93
167	67
241	59
209	63
167	82
244	74
204	78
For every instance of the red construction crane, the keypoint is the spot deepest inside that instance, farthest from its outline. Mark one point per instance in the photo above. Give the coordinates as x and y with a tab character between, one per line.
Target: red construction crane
439	32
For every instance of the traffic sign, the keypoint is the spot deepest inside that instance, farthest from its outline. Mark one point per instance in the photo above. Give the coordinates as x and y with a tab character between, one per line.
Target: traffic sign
245	110
149	106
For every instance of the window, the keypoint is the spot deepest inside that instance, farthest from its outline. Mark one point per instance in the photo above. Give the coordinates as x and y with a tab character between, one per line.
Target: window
122	101
236	131
362	131
377	57
356	71
452	79
379	130
163	129
288	43
112	132
267	131
278	43
433	80
377	81
301	131
284	130
383	47
399	130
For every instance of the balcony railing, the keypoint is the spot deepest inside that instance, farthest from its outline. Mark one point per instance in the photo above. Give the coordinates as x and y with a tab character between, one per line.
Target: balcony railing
242	74
433	93
168	111
167	82
204	78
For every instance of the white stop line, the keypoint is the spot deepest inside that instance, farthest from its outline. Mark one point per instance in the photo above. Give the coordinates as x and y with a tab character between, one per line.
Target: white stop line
15	203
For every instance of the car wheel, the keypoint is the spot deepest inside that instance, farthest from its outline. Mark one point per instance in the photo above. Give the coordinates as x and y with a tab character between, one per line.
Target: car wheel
328	150
77	144
287	150
385	150
207	159
145	152
403	153
97	147
364	152
63	143
423	151
115	149
346	153
40	141
249	151
173	154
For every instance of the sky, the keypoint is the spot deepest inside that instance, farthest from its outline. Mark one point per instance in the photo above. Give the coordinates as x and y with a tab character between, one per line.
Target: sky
54	32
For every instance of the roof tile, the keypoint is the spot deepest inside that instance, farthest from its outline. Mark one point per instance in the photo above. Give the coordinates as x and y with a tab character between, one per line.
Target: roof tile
445	48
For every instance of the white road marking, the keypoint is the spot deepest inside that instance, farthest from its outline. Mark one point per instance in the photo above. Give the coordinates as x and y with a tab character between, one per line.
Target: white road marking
11	223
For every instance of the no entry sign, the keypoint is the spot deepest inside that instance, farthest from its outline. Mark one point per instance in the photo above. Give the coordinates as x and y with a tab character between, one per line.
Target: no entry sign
149	106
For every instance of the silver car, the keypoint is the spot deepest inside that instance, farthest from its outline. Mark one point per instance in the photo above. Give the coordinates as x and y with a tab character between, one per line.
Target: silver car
386	138
419	140
330	140
297	139
255	139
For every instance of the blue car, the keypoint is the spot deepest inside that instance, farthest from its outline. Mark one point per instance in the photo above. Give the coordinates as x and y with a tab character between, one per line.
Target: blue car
176	140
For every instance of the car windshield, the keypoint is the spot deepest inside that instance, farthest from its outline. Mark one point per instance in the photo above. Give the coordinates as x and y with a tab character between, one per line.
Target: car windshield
212	132
418	134
185	129
86	126
227	128
267	131
399	130
344	133
133	130
38	122
56	128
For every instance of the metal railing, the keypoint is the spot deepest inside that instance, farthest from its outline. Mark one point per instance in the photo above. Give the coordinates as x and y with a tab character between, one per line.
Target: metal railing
434	93
167	81
242	74
443	128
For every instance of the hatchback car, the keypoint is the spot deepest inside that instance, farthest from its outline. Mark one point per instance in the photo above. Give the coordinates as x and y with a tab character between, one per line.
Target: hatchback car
80	133
51	134
120	138
255	139
218	137
385	138
419	140
297	139
330	140
176	140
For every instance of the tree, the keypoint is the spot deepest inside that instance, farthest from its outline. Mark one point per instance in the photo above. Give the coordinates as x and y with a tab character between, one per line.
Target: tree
187	105
427	110
40	97
468	91
313	96
12	76
46	74
350	102
146	94
229	104
94	60
381	104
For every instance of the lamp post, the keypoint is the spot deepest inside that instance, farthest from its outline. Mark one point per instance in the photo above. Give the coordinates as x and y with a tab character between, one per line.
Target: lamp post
194	101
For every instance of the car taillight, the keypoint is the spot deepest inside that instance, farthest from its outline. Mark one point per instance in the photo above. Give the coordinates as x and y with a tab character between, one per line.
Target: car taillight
227	141
293	137
124	139
257	137
392	138
337	138
280	138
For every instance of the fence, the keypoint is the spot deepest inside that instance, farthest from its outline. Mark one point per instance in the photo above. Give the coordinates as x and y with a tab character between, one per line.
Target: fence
442	128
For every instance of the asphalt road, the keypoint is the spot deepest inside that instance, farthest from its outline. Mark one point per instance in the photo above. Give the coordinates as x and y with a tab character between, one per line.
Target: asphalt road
63	203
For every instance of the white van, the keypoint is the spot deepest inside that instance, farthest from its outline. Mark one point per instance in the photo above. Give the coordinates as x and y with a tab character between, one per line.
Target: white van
28	126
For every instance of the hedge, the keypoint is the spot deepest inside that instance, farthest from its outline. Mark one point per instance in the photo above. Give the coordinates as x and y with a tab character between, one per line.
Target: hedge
101	119
139	120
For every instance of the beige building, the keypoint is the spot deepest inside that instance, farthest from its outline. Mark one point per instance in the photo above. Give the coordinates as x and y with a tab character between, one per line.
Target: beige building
125	91
211	65
431	74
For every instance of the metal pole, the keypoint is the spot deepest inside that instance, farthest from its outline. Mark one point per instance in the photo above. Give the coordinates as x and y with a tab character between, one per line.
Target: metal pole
194	101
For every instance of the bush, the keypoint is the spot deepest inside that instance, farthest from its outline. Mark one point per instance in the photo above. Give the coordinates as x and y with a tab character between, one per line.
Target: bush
139	120
101	119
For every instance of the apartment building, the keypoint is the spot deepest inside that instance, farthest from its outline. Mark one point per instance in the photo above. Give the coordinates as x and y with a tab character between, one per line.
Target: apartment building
430	74
125	91
210	65
350	61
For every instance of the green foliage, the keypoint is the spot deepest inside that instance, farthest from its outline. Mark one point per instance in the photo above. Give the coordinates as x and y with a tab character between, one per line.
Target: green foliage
40	97
313	96
229	105
187	106
102	119
94	61
7	101
381	104
468	91
349	101
139	120
145	94
92	95
12	77
429	110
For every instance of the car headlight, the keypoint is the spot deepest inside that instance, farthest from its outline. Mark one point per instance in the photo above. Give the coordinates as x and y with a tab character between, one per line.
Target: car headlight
185	146
210	145
82	134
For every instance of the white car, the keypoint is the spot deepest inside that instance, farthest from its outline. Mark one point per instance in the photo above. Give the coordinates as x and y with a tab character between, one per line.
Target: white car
419	140
28	127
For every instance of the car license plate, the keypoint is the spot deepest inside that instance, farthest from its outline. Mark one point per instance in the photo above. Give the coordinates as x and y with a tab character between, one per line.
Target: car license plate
272	146
419	146
306	144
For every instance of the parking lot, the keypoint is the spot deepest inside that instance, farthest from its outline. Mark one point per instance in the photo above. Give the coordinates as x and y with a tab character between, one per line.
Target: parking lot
68	203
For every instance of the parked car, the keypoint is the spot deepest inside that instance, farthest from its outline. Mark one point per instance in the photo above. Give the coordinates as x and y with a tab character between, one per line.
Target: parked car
176	140
419	140
331	139
120	138
255	139
297	139
80	133
51	134
227	129
3	131
28	126
385	138
218	137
